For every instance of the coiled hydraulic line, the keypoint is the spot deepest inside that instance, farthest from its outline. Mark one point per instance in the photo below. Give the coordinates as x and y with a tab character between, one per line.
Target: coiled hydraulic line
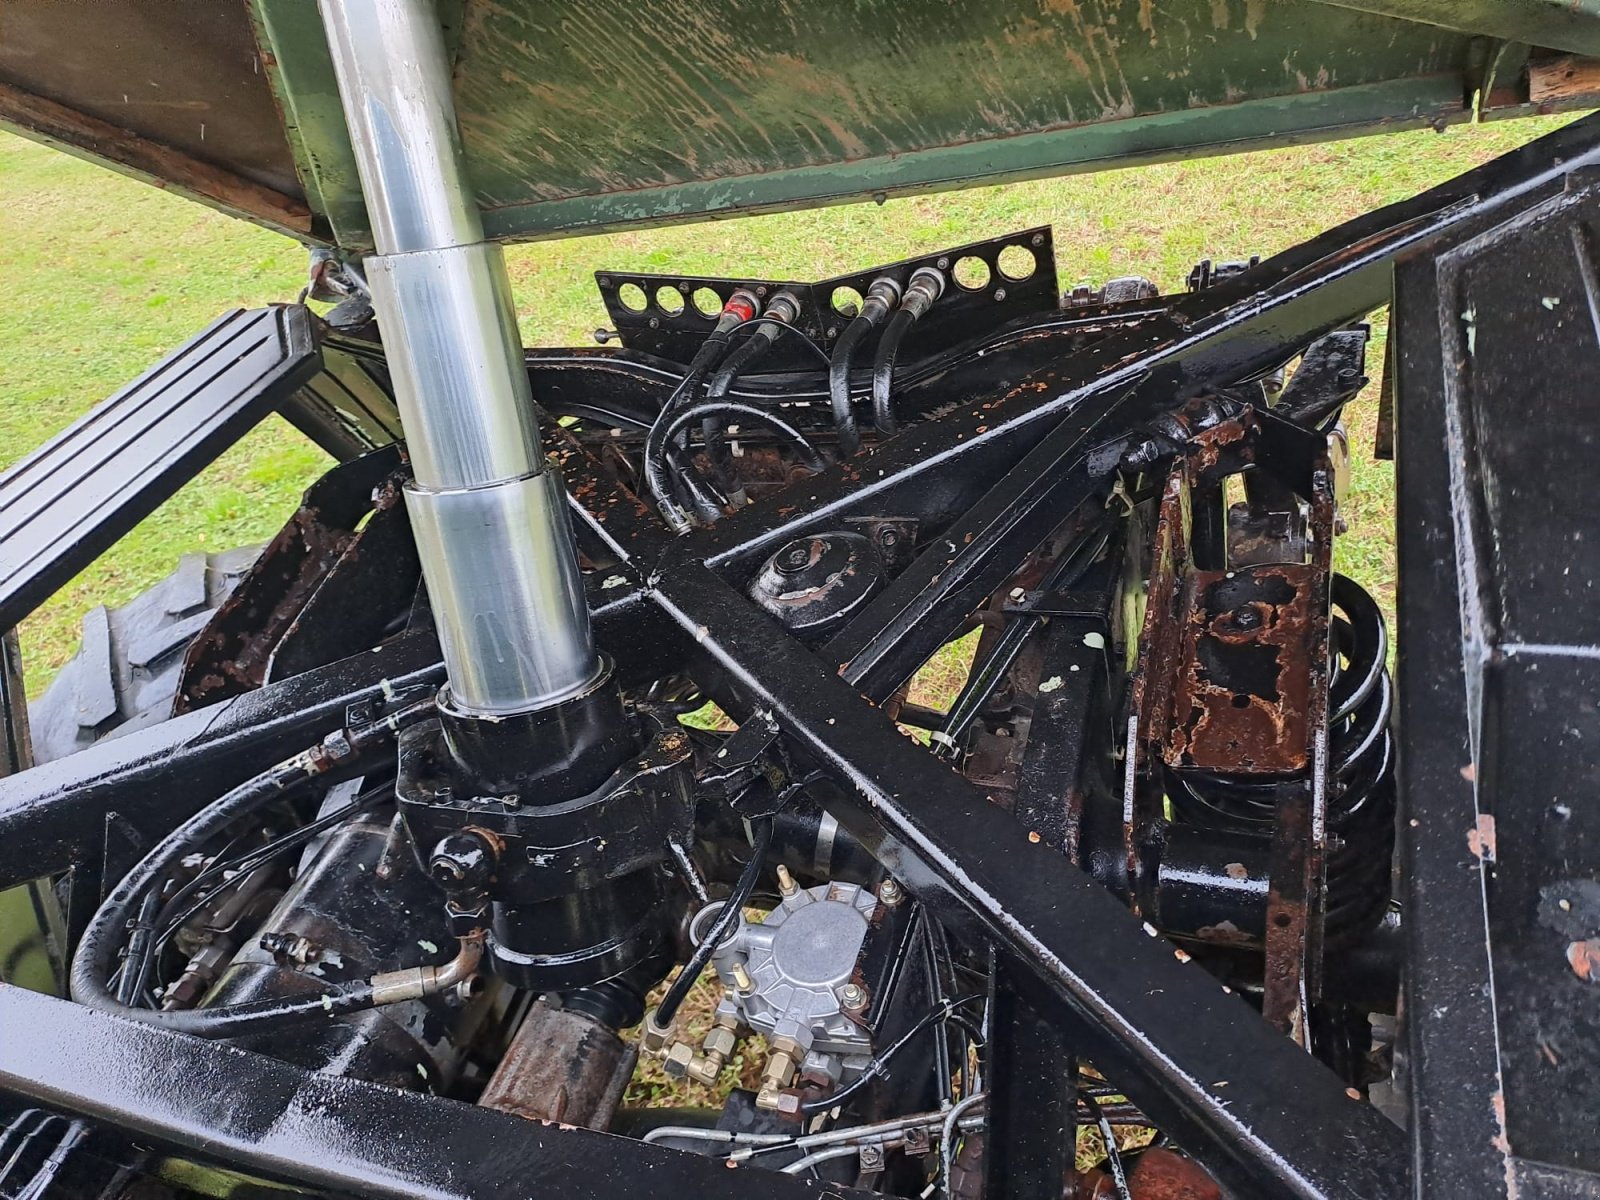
1361	794
740	307
131	904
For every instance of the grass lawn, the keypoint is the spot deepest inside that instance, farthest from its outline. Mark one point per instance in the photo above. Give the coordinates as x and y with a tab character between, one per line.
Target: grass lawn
103	275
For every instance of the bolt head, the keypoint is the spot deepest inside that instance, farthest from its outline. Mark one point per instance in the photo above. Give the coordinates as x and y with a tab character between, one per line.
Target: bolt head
852	995
889	892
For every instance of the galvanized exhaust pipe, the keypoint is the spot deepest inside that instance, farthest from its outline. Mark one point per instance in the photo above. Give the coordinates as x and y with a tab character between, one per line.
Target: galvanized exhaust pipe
488	512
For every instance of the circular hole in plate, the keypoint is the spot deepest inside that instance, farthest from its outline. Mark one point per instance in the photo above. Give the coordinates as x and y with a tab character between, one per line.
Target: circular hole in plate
971	273
669	300
631	296
846	301
1017	263
706	302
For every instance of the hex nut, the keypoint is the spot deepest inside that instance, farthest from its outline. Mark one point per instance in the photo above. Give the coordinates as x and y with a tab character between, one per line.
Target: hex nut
678	1059
655	1038
721	1041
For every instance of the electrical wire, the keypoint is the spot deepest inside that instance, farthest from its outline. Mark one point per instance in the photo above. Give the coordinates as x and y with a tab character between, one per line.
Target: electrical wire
792	328
663	432
879	1063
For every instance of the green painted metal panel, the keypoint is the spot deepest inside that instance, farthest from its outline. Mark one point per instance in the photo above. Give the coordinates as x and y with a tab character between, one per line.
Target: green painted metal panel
581	115
1571	25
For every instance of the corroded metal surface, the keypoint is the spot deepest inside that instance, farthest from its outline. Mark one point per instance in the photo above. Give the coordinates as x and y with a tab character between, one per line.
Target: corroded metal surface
1244	677
561	1066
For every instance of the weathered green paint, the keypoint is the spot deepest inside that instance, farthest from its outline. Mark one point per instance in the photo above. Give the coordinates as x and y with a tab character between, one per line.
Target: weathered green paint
580	115
1571	25
1278	121
295	57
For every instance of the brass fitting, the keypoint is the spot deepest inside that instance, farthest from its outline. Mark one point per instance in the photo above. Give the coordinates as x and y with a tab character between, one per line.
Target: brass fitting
786	884
678	1059
721	1042
742	982
718	1047
654	1039
779	1073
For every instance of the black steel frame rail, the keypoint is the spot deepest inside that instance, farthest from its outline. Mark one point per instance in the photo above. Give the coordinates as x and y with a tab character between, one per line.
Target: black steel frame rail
1265	1117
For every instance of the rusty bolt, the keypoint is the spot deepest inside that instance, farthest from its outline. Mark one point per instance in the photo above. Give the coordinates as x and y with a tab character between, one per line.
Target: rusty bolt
872	1158
889	892
888	537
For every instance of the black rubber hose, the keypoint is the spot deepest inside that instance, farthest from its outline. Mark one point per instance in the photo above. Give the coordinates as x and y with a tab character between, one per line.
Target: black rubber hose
844	416
809	454
883	369
662	433
727	920
92	964
740	360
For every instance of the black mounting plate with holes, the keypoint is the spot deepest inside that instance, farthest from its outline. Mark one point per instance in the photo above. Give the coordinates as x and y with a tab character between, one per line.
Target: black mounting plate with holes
677	335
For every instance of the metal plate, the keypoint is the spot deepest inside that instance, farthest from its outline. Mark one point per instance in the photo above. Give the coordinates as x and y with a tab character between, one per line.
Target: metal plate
676	330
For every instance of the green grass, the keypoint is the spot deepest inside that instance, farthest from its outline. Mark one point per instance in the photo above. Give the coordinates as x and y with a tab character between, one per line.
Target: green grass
103	275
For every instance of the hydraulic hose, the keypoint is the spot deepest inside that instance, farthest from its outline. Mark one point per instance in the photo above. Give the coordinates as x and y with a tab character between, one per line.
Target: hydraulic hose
926	286
881	297
341	755
741	307
727	919
663	432
779	315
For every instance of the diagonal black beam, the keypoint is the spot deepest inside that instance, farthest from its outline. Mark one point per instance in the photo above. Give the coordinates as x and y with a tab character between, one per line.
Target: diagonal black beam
1265	1117
346	1136
925	606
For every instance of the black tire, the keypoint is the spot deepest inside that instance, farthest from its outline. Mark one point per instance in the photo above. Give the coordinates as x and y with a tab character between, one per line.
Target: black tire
125	674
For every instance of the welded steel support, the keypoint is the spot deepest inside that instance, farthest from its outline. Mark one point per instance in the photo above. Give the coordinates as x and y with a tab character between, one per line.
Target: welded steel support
488	512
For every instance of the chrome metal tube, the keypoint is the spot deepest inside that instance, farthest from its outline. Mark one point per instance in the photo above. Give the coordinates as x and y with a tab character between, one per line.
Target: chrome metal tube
490	514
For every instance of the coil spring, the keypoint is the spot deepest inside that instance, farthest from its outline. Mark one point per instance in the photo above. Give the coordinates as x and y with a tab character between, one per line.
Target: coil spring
1361	794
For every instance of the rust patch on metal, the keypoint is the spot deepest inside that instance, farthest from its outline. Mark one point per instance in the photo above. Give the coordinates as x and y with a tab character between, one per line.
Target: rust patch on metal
1584	959
561	1066
1481	838
1157	1174
1241	703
